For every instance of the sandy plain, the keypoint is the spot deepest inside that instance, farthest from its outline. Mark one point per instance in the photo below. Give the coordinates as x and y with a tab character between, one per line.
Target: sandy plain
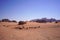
46	31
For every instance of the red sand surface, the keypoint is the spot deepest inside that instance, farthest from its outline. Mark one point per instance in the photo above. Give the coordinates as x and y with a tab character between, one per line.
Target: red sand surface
47	31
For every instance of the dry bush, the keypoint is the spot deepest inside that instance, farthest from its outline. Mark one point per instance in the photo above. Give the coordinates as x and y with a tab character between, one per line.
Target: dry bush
4	25
21	23
56	22
13	21
20	27
0	20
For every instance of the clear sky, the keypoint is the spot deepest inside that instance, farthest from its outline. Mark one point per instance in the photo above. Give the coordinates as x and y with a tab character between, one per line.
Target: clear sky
29	9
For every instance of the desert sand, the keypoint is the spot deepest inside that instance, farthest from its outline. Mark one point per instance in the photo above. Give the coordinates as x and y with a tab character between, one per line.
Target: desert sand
47	31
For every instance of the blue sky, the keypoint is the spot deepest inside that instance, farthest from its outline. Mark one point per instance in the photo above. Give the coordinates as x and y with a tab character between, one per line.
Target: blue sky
29	9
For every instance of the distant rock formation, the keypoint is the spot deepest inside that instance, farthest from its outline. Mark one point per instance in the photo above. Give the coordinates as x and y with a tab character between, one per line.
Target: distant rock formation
5	20
44	20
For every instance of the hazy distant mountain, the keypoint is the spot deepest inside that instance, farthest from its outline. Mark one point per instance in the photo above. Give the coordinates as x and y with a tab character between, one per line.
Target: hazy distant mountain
42	20
7	20
45	20
58	20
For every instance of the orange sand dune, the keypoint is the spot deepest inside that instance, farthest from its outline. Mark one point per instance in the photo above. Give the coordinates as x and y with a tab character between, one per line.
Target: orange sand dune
47	31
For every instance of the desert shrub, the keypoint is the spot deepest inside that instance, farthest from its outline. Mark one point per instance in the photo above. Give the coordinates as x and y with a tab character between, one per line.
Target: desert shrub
19	27
21	23
5	20
3	25
56	22
38	26
13	21
0	20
